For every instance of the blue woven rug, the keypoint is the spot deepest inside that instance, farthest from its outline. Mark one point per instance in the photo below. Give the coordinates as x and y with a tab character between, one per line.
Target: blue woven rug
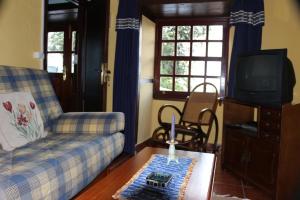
137	189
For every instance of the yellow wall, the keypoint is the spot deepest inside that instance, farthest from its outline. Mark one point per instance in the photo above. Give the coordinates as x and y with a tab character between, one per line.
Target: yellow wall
111	50
146	73
20	32
282	30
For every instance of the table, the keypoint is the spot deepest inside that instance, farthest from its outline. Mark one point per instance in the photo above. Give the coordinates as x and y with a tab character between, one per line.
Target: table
200	186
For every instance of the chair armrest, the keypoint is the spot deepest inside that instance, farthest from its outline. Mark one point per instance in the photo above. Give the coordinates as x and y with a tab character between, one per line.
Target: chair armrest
214	119
89	122
161	110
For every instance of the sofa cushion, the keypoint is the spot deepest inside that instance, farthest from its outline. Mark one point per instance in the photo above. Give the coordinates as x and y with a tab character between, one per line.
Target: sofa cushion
89	122
38	83
21	121
56	167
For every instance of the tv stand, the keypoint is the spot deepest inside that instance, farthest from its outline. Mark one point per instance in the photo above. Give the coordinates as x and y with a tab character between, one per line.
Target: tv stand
267	156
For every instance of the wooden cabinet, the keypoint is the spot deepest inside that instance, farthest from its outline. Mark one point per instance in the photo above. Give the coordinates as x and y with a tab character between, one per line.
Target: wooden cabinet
263	155
235	152
262	163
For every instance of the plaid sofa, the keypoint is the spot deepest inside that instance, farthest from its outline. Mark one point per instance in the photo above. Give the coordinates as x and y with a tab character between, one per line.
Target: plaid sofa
78	146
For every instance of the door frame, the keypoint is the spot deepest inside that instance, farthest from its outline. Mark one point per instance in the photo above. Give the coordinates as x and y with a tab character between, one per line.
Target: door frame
81	30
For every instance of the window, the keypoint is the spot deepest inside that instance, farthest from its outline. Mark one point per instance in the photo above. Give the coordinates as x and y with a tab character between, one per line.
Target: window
189	53
55	52
61	51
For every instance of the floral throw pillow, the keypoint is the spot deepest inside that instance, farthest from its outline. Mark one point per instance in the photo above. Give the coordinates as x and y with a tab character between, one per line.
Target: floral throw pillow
21	121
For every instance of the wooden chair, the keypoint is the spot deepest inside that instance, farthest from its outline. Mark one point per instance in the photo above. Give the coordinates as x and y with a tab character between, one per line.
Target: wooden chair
196	121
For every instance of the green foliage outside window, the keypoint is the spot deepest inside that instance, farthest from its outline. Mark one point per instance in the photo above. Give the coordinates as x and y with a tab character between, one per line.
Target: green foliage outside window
55	41
183	54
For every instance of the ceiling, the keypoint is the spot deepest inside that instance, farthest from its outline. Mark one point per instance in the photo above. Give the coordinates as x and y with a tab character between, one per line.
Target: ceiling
163	9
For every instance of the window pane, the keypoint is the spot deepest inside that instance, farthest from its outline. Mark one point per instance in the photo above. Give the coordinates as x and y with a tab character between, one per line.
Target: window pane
166	67
182	67
183	49
74	62
198	68
213	68
168	49
181	84
168	32
166	84
199	32
214	49
215	82
55	41
215	32
199	49
55	62
73	40
183	33
195	82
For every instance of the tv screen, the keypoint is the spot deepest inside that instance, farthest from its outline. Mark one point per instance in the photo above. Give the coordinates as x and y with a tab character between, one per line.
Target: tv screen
265	77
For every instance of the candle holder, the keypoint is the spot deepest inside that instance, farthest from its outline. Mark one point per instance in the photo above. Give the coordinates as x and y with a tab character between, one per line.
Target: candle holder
172	151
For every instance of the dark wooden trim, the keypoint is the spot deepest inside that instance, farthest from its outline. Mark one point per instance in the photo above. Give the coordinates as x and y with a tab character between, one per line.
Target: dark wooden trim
61	6
81	55
142	145
45	34
105	53
181	1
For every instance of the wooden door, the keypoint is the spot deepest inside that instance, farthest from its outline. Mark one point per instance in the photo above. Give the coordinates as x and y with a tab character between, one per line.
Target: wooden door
93	42
61	63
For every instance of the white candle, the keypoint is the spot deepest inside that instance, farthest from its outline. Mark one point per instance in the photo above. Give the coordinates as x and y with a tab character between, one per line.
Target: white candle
172	136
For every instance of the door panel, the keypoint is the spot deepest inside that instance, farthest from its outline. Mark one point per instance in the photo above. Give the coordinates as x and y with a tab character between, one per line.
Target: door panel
59	62
95	37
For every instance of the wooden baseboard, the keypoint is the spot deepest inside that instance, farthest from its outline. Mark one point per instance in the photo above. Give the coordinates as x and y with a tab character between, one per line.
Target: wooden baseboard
142	145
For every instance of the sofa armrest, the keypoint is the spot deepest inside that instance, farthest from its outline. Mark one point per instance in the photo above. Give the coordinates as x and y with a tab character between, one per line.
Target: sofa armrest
89	122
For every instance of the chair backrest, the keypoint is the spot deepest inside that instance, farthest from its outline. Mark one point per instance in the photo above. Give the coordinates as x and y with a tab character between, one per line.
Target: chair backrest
197	101
37	82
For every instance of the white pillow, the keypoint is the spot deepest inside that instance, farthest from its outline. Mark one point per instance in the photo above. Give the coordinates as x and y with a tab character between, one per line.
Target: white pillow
21	120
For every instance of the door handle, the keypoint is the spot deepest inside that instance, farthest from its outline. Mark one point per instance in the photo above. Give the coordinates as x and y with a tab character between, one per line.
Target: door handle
104	77
64	73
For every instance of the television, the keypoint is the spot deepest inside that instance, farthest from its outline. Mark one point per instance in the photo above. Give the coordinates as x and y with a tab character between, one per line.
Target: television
265	78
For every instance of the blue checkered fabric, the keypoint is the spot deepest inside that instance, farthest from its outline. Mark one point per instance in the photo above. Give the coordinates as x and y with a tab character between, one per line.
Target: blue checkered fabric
60	165
37	82
56	167
92	123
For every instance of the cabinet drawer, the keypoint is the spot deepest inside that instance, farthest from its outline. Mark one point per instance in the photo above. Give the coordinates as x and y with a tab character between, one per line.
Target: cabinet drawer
270	114
270	135
269	125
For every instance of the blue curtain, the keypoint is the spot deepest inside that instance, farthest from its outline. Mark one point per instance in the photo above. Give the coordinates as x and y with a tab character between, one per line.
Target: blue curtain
248	18
127	68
